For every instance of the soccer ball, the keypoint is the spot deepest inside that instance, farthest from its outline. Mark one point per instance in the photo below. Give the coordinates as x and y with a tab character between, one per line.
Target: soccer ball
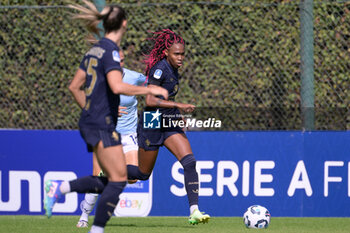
256	216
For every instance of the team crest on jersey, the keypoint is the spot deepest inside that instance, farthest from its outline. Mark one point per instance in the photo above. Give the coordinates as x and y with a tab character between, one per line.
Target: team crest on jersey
176	88
158	73
116	56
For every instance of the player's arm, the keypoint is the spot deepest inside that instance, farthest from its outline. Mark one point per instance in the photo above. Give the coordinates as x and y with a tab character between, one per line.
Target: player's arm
75	87
121	111
142	80
153	101
117	86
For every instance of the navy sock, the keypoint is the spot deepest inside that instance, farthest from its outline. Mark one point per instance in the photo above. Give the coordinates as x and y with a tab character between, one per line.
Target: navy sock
134	173
107	203
89	184
191	178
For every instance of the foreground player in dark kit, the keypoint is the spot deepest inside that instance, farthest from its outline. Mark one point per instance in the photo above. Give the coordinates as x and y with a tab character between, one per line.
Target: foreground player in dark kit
162	63
101	73
127	125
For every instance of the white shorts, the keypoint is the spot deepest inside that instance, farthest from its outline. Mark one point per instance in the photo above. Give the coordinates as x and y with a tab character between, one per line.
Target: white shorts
129	142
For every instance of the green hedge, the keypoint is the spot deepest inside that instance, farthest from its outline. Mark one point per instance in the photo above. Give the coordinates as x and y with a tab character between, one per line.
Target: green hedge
242	61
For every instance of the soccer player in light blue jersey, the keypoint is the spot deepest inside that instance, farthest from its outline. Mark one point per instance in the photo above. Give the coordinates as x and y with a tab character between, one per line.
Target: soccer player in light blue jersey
127	125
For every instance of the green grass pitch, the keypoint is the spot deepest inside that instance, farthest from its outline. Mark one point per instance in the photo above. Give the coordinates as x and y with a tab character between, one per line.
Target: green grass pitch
66	224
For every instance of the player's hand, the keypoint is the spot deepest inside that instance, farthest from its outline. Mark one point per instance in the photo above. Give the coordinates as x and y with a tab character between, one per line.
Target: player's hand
187	108
120	111
157	90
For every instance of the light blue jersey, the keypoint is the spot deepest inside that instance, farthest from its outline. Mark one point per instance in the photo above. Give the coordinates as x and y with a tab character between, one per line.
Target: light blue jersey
127	123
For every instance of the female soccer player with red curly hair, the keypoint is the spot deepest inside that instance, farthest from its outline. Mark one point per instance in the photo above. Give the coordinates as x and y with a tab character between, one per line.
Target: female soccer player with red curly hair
163	63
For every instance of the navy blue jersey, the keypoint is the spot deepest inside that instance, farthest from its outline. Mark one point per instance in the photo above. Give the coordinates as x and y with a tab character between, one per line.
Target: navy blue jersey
164	75
101	109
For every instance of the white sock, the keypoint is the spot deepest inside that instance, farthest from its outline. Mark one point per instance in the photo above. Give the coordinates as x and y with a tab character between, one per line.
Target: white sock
87	205
96	229
89	202
84	217
193	208
65	187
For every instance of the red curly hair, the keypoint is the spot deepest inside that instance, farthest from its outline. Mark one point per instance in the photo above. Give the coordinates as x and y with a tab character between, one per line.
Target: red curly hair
162	40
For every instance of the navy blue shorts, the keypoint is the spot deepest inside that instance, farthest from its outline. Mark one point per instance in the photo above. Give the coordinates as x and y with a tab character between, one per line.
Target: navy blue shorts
152	139
109	137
